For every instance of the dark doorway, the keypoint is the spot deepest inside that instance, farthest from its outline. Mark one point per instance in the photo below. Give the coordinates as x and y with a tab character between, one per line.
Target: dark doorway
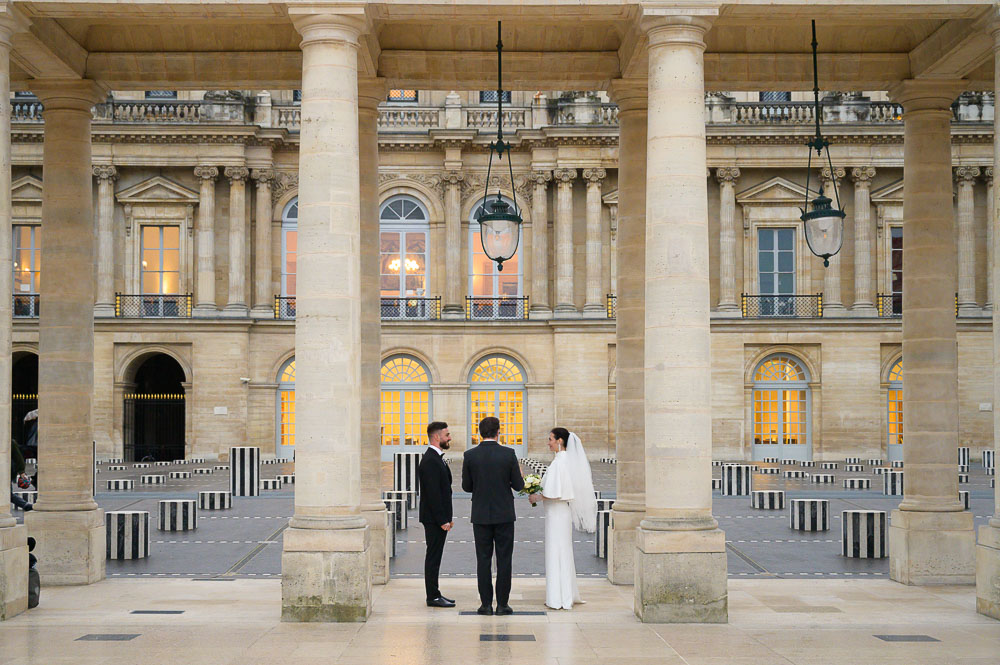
24	385
154	411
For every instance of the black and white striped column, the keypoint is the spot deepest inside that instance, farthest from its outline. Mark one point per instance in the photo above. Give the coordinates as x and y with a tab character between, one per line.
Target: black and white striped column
823	478
270	484
892	483
215	500
828	465
398	508
767	499
854	468
852	460
121	485
404	476
408	497
244	471
857	483
736	480
808	464
963	455
863	533
203	471
897	464
603	528
605	504
795	474
989	459
287	478
875	461
770	460
180	475
178	515
809	514
963	496
152	479
126	534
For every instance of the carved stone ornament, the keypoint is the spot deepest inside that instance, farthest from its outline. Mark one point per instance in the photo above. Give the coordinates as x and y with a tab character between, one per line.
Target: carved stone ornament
594	176
988	175
838	174
564	176
727	174
283	183
106	172
206	172
263	176
236	173
966	175
862	173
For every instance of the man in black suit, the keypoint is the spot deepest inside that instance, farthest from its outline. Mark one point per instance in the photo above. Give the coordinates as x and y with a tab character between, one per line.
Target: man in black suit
490	472
435	508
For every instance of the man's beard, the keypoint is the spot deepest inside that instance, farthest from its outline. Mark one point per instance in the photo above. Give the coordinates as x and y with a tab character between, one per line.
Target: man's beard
444	445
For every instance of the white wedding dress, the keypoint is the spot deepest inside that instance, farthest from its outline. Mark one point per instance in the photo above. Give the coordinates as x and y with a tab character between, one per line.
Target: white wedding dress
560	570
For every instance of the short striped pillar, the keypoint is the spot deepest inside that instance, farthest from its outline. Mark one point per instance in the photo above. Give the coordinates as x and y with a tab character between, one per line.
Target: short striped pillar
863	533
795	473
768	471
963	496
116	460
270	484
404	472
767	499
829	465
857	483
770	460
196	460
809	514
152	479
162	463
854	468
603	530
409	497
823	478
271	460
789	462
609	460
989	459
180	461
807	464
963	468
141	465
390	527
896	464
126	534
178	515
244	471
204	471
736	480
398	508
718	462
716	483
287	478
881	470
121	485
117	467
963	455
874	462
991	471
180	475
221	467
892	483
215	500
852	460
963	478
605	504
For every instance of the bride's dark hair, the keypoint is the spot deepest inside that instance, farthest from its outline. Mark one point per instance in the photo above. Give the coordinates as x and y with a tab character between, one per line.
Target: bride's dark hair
561	433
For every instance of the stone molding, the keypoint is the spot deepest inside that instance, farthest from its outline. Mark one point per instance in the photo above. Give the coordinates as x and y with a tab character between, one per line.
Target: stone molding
206	172
236	173
564	176
967	174
106	172
863	174
727	174
263	176
594	176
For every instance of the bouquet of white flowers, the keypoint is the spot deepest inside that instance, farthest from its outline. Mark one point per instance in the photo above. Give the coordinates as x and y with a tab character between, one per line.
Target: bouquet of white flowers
532	485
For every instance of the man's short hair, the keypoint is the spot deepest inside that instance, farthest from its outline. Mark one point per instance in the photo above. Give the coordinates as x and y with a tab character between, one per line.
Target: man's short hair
489	427
434	427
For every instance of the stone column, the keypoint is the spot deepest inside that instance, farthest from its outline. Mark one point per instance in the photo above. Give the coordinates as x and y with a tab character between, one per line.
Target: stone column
237	298
454	284
833	304
565	303
263	301
325	562
990	249
727	177
594	305
205	261
965	177
680	551
540	308
13	537
930	536
864	240
630	325
66	522
370	93
106	176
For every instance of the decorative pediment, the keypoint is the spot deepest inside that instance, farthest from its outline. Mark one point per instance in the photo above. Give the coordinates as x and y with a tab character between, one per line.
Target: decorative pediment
157	190
26	189
611	198
891	194
776	191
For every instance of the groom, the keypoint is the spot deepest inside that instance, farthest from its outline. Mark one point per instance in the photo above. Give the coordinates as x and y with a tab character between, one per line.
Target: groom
490	472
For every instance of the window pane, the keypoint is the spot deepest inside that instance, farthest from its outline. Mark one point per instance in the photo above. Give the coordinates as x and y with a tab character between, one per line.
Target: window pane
416	242
765	238
414	264
786	284
389	241
767	283
150	236
291	241
151	259
171	282
171	237
171	259
767	262
150	282
507	284
390	264
785	238
390	285
414	285
290	285
786	261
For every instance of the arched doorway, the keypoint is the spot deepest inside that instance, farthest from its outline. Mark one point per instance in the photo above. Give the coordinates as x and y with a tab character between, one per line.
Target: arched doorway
497	389
154	411
284	445
781	408
24	400
894	413
405	404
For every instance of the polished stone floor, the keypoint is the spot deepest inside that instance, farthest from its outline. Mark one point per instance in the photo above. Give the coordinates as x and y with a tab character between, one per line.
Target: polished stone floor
772	622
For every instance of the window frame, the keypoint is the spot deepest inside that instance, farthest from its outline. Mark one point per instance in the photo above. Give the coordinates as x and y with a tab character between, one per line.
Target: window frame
289	224
34	251
401	389
803	384
404	101
894	388
404	227
476	240
161	228
508	97
897	301
496	387
284	386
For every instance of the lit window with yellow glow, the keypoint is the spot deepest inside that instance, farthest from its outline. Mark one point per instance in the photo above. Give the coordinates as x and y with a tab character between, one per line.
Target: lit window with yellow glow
780	403
894	399
406	402
161	252
485	280
403	232
286	407
497	389
27	257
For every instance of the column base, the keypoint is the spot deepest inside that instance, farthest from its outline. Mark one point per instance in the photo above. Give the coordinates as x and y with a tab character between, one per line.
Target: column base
681	577
971	310
13	571
540	313
205	312
864	309
621	545
453	312
988	571
931	548
565	312
104	311
380	547
835	310
235	312
326	575
262	312
70	545
727	313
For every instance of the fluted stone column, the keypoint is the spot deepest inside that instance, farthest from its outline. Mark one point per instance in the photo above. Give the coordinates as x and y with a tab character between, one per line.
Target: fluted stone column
66	522
630	330
727	177
594	305
263	301
833	304
370	93
965	178
680	551
930	536
13	537
237	299
325	562
205	245
565	302
106	176
990	249
454	285
540	308
864	240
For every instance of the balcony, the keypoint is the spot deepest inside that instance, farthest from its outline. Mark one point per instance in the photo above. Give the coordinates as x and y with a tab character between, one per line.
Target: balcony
152	306
782	306
889	305
411	309
612	306
25	306
504	308
284	307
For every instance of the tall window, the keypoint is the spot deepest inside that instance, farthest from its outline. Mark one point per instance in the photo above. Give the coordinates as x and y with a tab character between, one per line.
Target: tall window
27	265
497	389
894	406
776	270
490	96
781	404
406	402
403	231
485	280
289	246
896	268
286	411
161	260
403	96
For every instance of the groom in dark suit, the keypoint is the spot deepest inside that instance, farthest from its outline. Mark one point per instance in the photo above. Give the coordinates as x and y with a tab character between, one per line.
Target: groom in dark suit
435	508
490	472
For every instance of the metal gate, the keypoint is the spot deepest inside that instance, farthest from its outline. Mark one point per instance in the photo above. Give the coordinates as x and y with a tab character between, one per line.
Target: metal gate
154	427
20	405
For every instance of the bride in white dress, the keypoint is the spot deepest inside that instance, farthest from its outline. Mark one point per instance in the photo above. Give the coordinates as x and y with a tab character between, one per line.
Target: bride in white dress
568	493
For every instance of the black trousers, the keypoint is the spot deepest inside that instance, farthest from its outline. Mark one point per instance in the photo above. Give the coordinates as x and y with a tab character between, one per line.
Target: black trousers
490	537
435	537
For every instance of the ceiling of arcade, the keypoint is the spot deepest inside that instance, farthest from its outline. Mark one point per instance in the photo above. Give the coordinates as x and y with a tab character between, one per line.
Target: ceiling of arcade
549	44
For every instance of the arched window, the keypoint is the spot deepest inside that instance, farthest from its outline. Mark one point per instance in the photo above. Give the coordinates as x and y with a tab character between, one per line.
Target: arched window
285	444
403	232
289	246
485	281
894	412
497	389
781	406
406	402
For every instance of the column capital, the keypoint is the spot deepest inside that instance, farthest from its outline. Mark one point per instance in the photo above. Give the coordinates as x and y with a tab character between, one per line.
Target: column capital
69	94
540	178
371	93
452	178
988	175
236	173
674	27
206	172
926	94
343	25
966	175
836	175
105	172
594	176
263	176
629	94
564	176
863	174
727	174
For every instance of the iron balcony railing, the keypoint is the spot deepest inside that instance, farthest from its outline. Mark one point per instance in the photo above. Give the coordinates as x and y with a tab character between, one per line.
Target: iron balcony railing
504	308
153	306
284	307
411	309
25	306
889	305
782	306
612	306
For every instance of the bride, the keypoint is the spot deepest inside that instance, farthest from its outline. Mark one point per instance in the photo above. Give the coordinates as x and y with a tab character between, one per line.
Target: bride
568	492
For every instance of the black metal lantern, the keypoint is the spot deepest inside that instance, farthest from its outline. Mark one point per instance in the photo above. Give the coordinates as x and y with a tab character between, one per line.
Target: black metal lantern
823	223
499	223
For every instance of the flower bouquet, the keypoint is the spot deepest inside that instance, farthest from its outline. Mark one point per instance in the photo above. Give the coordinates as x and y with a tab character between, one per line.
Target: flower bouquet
532	485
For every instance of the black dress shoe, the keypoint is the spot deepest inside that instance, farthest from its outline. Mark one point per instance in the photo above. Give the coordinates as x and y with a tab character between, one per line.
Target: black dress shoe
485	610
504	610
440	601
447	599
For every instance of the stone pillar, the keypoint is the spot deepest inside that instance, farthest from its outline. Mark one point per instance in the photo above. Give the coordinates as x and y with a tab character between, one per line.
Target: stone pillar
325	562
263	301
66	522
540	308
205	261
13	537
106	176
864	240
630	325
965	177
930	535
680	551
565	303
370	93
594	305
990	249
727	177
454	284
237	298
833	304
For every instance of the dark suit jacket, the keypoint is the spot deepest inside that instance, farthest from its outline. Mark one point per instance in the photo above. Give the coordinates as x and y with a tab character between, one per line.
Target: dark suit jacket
435	489
490	472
